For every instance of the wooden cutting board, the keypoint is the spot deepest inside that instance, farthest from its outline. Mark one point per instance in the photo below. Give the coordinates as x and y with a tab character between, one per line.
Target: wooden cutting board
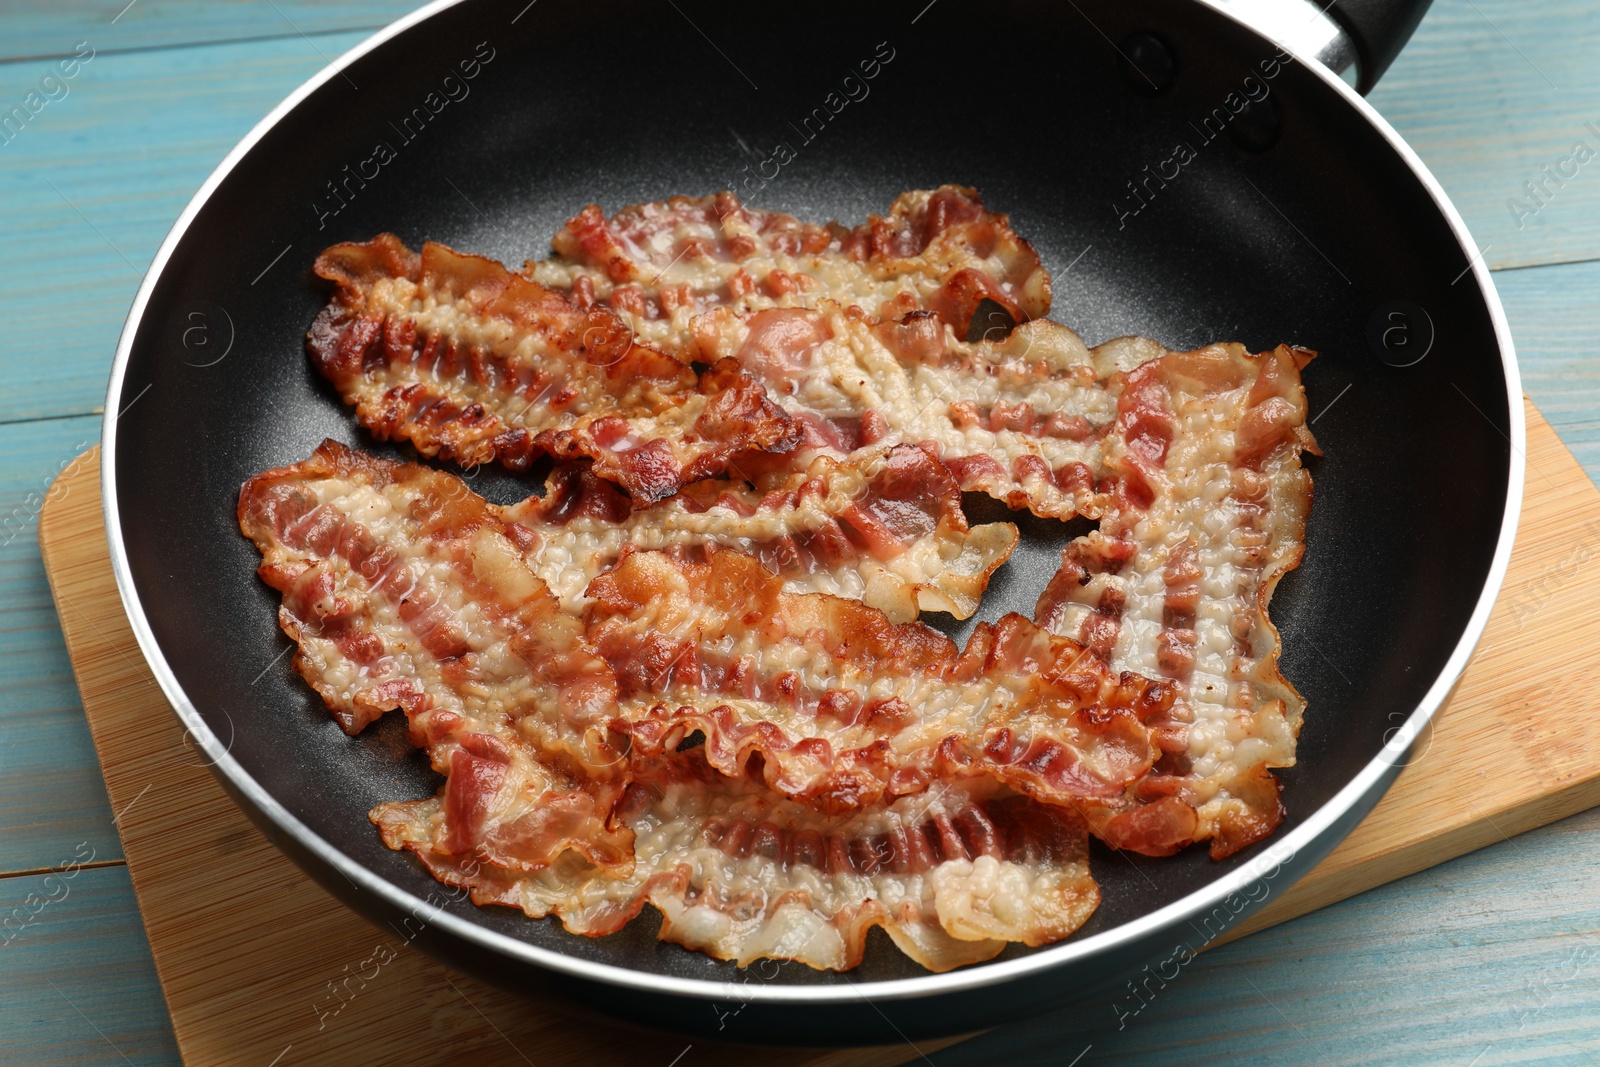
260	966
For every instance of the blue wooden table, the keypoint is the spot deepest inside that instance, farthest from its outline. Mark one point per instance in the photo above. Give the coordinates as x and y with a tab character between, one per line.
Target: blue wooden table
1491	959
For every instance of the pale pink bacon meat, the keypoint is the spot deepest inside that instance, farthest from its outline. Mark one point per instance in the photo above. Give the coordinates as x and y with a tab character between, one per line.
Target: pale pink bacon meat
404	590
1018	418
885	527
661	264
471	362
842	709
1209	504
951	874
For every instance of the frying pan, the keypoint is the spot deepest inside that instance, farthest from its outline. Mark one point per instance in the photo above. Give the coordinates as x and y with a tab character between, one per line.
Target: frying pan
1302	217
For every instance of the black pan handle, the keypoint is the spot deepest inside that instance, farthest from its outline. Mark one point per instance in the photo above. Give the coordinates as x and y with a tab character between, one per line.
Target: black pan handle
1356	39
1379	29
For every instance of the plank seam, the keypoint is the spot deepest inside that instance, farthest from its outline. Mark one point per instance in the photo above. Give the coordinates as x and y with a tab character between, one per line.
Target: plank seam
45	57
90	866
93	414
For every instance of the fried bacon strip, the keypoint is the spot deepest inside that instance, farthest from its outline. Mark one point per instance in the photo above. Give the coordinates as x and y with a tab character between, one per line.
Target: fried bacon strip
950	874
405	590
1019	418
1210	512
885	528
702	690
386	569
661	264
473	363
845	709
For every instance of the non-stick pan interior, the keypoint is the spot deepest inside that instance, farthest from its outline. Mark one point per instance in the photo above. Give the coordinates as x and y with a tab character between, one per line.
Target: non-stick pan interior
1298	223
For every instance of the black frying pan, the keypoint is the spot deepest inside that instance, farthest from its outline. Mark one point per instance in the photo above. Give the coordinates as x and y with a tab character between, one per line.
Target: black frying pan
1306	220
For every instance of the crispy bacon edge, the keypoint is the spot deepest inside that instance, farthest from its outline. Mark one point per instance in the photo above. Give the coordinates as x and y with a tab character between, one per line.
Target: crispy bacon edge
969	873
980	872
937	233
505	799
1156	821
906	499
1073	732
352	338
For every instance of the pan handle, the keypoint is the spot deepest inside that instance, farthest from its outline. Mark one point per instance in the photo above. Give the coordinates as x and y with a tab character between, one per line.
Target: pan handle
1357	39
1379	28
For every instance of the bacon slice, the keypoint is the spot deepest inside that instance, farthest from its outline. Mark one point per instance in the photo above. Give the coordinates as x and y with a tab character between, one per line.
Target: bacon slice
843	708
848	330
702	690
1019	419
661	264
473	363
951	875
405	590
1210	504
885	527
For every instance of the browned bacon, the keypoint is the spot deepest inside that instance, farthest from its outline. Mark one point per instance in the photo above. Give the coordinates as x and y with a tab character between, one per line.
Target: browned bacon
661	264
1018	418
844	708
405	590
687	675
473	363
951	874
1208	510
860	342
884	527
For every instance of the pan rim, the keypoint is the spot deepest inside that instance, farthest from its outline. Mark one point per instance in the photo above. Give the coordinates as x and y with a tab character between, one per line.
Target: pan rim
1301	838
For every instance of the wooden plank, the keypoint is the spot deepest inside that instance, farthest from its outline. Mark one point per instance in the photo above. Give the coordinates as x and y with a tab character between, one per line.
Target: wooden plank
38	30
1489	93
235	991
79	984
51	793
1555	316
93	184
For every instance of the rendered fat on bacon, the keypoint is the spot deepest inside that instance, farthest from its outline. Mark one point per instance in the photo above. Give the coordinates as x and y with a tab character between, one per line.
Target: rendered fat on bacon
659	265
951	874
1209	511
701	691
404	590
841	709
1018	418
473	363
885	527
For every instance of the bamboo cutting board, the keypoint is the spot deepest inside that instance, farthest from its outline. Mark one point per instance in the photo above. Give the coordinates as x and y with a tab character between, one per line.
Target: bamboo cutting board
260	966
